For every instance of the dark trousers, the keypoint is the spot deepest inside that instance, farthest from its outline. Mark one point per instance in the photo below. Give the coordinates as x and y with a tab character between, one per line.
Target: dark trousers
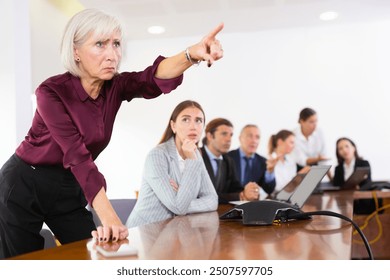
32	195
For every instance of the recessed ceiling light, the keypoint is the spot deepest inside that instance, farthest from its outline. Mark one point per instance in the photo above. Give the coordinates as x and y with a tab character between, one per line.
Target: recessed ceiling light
156	29
329	15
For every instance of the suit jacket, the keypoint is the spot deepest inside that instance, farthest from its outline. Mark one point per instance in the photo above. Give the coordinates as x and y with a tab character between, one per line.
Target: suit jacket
338	179
157	200
259	166
229	186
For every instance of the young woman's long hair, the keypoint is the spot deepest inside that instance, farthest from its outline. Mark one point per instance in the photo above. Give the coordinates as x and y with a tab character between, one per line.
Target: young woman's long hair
168	133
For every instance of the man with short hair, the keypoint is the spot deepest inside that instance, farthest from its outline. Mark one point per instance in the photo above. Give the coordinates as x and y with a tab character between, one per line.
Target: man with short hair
221	167
250	166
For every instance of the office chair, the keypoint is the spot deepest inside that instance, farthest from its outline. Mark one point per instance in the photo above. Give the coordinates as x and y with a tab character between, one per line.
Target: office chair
122	207
50	240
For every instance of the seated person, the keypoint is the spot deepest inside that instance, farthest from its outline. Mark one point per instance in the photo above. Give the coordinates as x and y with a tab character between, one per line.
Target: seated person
280	147
250	166
221	167
175	180
310	148
348	159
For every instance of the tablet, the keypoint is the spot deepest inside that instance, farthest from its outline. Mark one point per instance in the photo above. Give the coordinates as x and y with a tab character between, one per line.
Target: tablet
124	250
359	175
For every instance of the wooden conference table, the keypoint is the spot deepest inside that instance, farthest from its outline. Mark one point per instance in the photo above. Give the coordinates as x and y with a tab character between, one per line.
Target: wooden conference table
203	236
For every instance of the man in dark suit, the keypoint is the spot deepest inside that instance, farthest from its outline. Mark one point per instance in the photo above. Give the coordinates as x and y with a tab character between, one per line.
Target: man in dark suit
250	166
220	167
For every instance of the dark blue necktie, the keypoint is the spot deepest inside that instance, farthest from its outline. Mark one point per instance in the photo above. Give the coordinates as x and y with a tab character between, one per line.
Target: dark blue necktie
219	172
247	171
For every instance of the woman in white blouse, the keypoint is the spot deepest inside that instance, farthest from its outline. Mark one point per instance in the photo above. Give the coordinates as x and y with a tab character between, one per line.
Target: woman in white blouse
310	143
175	179
281	145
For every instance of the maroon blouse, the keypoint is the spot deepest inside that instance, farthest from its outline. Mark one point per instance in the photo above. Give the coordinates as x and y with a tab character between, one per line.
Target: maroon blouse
71	129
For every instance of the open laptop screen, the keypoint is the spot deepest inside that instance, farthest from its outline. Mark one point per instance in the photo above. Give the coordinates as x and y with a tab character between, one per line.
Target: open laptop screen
308	184
287	191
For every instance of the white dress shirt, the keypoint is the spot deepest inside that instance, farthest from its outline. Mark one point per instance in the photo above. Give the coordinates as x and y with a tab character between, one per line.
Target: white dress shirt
284	172
348	169
308	148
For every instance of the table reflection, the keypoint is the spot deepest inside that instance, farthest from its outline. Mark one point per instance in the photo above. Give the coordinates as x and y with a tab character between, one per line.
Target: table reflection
184	237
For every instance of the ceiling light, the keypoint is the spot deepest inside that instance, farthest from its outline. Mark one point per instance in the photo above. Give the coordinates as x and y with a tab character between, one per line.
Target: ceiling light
330	15
156	29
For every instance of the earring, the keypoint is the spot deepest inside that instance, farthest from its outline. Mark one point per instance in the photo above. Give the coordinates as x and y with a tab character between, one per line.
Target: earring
78	59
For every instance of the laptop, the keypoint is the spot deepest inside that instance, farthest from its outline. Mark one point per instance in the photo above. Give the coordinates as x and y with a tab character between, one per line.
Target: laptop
359	175
284	194
287	191
287	202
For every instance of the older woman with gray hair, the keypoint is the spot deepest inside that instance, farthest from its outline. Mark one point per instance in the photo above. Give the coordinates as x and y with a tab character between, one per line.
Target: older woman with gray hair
52	174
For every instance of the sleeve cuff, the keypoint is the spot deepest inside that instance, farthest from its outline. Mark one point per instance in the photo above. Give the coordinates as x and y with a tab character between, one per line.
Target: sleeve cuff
269	177
165	85
89	178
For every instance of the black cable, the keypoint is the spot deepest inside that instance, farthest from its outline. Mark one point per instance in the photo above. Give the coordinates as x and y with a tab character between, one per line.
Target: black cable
333	214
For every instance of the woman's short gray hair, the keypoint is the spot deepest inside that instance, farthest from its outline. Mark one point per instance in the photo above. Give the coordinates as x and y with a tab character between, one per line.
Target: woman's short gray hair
79	28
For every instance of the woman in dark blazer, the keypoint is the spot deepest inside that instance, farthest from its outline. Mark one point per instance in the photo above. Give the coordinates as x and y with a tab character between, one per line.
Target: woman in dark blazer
348	159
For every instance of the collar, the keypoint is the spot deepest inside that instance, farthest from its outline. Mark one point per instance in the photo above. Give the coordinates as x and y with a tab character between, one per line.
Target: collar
242	154
178	155
83	95
351	165
210	154
299	135
171	147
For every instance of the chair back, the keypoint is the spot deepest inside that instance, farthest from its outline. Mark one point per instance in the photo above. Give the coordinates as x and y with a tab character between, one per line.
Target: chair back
122	207
50	240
